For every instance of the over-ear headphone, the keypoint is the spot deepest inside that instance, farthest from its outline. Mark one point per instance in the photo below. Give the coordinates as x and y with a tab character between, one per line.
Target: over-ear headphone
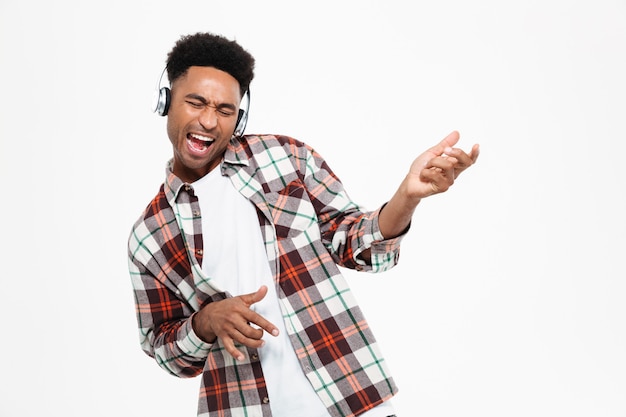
163	97
242	117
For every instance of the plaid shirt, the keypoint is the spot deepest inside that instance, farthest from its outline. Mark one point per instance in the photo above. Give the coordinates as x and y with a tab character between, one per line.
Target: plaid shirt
309	226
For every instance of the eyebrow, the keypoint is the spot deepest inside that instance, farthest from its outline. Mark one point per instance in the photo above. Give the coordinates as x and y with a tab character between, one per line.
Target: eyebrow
205	102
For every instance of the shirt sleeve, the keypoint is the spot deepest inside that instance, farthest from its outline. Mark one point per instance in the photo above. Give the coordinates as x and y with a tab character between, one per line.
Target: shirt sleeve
164	322
347	230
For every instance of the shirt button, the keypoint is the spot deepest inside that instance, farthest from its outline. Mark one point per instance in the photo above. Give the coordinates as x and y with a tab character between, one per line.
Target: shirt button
196	213
265	400
254	357
199	252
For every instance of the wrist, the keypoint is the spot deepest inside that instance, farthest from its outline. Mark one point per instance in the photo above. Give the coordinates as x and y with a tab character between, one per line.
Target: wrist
199	329
406	198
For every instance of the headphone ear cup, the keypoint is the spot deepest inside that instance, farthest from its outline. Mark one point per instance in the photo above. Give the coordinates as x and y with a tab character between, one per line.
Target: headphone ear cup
163	105
242	120
242	117
242	112
161	97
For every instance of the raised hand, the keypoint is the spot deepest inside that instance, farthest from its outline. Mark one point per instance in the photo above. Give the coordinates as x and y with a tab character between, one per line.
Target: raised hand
435	170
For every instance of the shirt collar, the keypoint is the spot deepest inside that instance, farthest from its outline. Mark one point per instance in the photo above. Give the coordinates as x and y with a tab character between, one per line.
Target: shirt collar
173	184
235	153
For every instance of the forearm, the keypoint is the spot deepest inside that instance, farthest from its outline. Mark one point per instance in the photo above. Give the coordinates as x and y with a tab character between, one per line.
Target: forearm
177	349
165	329
395	216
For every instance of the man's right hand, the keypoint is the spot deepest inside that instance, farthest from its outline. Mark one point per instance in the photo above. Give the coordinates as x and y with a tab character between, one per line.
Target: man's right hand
232	320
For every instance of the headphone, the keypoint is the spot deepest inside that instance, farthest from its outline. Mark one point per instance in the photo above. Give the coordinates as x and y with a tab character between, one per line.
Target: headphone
163	96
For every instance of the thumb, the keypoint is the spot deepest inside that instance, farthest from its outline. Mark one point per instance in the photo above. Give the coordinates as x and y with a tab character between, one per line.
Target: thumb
255	297
447	142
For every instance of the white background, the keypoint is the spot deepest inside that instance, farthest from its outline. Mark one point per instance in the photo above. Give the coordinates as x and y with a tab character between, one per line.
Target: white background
509	296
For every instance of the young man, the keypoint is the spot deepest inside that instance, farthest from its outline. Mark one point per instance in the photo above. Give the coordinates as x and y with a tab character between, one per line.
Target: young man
234	263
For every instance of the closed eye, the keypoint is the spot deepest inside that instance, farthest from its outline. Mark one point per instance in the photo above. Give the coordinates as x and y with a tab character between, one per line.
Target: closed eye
225	110
195	104
199	102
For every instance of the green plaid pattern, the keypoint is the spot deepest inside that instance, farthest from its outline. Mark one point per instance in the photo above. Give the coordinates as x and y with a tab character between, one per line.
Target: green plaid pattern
310	227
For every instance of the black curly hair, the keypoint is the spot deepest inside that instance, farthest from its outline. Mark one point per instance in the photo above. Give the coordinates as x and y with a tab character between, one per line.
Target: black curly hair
210	50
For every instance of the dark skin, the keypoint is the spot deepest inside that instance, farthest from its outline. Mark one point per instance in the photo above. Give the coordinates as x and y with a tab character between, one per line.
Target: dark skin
201	121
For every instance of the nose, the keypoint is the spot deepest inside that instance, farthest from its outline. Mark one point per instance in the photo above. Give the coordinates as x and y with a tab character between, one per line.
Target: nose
208	118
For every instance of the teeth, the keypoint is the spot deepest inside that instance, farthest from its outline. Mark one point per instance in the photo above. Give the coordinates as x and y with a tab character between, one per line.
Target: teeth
202	138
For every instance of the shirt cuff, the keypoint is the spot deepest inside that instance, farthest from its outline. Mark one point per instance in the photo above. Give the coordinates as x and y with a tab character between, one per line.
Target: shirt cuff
384	253
191	344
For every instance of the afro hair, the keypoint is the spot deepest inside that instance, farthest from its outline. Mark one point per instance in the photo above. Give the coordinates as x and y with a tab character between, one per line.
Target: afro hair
210	50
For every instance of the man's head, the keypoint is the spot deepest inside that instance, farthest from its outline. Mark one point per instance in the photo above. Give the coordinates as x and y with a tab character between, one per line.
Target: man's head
209	50
209	76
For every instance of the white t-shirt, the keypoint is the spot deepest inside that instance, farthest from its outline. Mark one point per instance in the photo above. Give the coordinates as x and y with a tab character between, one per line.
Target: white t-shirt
235	258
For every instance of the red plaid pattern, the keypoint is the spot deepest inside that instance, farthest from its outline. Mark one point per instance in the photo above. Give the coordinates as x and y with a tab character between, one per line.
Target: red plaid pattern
310	227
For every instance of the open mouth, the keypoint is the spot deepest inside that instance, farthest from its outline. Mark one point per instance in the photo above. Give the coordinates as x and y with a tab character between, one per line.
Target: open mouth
199	143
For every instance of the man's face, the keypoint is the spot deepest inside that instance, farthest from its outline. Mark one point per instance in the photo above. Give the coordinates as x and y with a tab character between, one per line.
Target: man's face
201	120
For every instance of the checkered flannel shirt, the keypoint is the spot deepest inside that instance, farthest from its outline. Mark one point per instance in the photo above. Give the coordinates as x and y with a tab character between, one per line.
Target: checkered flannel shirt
309	226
